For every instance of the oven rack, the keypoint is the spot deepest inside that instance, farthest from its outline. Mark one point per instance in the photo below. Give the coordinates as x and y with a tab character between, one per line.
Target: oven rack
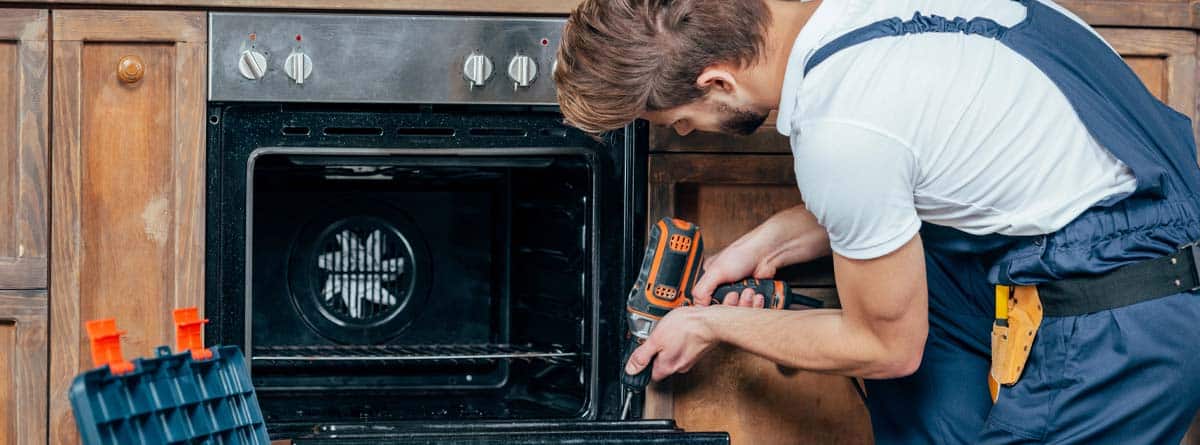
475	354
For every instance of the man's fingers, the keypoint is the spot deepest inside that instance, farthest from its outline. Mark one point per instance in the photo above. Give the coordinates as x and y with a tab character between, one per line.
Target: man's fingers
747	298
705	285
731	299
663	368
759	300
764	271
641	356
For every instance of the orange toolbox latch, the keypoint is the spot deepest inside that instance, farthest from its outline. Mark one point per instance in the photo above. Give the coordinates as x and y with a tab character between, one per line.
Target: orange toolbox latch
189	329
106	345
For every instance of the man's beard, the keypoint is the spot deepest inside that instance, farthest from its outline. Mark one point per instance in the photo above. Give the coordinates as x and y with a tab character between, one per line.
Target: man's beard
742	122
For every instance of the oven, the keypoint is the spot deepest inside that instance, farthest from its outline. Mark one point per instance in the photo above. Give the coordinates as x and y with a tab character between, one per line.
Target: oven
407	243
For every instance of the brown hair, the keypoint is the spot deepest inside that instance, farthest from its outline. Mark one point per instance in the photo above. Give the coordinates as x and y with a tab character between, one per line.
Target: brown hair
620	58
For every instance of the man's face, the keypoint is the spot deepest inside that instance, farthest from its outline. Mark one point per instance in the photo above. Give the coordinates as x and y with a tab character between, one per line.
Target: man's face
710	114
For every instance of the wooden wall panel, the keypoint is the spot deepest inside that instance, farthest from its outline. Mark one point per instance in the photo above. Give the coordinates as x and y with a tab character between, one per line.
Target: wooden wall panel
737	207
1153	72
759	403
23	149
1165	60
23	388
1149	13
128	212
8	359
127	192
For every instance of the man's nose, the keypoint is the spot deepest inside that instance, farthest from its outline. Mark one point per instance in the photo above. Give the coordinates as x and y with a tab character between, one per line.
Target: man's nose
683	130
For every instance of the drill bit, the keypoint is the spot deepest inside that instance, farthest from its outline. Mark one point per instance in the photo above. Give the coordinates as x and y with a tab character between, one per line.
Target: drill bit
633	384
626	404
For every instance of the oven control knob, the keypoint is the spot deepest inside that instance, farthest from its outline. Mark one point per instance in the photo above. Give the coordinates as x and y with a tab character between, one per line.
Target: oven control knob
298	66
477	69
522	70
252	64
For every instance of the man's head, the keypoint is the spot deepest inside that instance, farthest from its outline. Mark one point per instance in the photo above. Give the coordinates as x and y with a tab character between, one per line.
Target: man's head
672	62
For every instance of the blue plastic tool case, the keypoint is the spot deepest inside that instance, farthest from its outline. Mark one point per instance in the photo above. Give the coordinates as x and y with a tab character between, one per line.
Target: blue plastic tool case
170	399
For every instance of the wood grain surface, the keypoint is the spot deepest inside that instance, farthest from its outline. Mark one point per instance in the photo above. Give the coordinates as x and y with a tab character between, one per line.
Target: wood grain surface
543	7
1150	13
23	364
24	148
128	185
1165	60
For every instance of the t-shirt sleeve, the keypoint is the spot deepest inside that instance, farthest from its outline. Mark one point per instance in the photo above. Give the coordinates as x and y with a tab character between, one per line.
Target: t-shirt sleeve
859	182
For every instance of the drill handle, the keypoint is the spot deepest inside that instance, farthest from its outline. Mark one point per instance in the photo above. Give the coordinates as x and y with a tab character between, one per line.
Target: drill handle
635	383
776	293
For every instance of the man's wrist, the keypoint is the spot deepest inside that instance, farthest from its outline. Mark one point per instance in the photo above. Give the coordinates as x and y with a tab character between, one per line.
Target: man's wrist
715	319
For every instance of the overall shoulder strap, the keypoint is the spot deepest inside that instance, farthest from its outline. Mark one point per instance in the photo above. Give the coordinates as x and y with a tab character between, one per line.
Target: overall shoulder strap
895	27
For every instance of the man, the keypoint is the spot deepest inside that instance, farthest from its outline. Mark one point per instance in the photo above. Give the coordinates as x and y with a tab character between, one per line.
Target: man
1002	197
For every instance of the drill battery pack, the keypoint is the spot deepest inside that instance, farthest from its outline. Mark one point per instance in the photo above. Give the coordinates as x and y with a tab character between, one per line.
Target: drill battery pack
673	252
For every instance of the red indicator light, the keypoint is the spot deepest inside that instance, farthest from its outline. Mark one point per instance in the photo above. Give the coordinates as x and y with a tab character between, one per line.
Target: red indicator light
253	36
545	42
297	37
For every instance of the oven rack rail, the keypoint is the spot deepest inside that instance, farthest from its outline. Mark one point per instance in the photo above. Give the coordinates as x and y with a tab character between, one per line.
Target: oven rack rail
477	354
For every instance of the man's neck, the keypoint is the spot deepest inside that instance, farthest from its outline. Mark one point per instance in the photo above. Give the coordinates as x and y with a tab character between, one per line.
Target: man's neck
788	17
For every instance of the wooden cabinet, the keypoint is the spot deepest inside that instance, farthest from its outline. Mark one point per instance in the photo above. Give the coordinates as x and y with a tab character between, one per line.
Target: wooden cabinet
23	365
1165	60
23	148
128	183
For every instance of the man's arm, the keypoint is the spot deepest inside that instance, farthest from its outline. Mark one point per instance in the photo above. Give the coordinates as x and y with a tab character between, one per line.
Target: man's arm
789	237
879	332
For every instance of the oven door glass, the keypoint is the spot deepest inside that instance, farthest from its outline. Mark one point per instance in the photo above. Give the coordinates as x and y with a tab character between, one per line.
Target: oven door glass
439	285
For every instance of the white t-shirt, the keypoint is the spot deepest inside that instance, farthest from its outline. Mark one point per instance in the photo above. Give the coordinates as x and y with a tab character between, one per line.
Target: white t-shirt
952	129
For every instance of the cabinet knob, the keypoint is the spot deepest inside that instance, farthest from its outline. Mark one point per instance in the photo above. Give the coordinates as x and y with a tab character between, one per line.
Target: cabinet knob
130	69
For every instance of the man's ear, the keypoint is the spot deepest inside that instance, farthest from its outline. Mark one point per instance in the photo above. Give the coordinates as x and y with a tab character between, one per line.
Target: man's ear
717	77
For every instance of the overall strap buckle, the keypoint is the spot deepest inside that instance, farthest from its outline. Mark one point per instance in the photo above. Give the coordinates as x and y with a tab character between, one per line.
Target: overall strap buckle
1191	252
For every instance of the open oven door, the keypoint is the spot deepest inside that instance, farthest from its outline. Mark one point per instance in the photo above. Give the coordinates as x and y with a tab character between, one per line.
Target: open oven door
501	432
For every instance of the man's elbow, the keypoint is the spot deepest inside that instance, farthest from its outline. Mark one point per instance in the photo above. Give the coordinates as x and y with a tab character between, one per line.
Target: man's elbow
898	361
904	366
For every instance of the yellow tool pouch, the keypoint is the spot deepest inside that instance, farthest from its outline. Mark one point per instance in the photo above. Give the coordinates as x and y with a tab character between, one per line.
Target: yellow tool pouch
1018	316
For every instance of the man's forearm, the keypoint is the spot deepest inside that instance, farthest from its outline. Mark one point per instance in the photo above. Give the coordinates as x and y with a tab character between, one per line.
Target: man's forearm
820	340
794	236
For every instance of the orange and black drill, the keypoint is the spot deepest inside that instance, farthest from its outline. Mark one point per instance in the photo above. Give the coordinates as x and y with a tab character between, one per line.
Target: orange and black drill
674	253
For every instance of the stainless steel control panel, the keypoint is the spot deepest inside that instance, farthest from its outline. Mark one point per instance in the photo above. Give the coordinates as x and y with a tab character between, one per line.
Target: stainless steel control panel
345	58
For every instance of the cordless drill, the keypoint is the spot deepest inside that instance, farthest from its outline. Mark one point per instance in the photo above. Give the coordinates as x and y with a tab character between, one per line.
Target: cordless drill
674	253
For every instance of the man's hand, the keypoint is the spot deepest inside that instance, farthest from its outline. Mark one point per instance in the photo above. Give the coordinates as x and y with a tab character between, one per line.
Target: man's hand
677	343
878	333
791	236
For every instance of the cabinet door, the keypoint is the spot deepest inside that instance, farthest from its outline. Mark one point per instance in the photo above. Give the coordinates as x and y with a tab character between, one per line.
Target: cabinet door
729	390
23	363
23	148
1165	60
128	158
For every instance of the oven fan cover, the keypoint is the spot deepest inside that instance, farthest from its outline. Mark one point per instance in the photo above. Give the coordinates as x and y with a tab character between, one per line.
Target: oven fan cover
359	274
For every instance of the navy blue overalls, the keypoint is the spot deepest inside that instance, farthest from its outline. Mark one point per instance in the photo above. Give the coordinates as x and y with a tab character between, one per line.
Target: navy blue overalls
1127	375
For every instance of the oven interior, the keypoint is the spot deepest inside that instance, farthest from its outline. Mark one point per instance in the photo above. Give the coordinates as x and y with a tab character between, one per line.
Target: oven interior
435	284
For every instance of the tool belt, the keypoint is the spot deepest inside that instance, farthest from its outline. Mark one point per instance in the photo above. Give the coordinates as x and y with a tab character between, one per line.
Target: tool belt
1019	309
